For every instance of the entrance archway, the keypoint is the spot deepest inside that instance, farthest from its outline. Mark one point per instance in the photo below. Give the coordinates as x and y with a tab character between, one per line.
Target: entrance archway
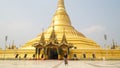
52	53
93	55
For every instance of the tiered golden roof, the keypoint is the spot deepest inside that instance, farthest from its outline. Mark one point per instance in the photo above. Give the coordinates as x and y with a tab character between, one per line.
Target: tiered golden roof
61	22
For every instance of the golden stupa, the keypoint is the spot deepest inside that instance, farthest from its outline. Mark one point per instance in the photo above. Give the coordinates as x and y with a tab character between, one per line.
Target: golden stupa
60	39
61	22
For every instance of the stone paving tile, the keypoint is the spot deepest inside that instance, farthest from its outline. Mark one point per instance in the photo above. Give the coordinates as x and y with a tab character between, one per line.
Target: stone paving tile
57	64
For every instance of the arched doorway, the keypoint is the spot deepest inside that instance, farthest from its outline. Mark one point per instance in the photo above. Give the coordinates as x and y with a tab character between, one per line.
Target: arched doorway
25	56
93	55
52	53
84	56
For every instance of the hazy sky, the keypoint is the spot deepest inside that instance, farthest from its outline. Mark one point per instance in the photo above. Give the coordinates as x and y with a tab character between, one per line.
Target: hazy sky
23	20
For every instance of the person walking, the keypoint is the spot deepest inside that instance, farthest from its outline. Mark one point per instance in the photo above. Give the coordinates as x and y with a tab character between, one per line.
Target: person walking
65	59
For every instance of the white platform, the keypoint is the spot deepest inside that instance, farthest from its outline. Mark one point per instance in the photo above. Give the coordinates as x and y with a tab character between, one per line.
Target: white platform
57	64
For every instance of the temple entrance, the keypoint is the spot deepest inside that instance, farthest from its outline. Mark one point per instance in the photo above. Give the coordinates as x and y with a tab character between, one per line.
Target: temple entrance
52	53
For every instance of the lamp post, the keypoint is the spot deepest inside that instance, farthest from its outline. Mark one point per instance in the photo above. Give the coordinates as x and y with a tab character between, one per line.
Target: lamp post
105	37
6	37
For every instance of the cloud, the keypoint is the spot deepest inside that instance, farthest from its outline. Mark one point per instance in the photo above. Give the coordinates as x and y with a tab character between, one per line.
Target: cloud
94	29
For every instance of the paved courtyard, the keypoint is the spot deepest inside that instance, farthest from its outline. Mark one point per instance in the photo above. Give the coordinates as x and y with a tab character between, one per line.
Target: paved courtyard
57	64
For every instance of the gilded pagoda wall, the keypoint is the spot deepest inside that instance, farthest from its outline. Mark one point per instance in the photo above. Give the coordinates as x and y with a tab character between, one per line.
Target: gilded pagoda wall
10	54
100	54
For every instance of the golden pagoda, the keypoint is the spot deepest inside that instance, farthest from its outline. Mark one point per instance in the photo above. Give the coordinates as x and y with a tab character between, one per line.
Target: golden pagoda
61	21
60	39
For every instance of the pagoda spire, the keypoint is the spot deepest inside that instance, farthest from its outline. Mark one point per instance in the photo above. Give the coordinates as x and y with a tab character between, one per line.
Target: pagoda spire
61	4
64	40
53	37
42	39
61	17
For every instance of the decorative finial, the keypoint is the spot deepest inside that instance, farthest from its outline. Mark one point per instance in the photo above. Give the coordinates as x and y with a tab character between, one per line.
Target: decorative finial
53	35
64	40
53	24
61	4
42	39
